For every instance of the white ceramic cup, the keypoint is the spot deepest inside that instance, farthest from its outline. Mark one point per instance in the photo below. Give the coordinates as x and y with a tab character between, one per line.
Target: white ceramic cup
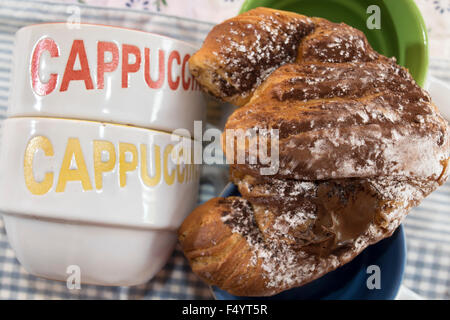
439	91
104	73
104	198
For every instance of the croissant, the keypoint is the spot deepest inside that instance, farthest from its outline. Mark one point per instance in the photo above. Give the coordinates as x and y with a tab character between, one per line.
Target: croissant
360	144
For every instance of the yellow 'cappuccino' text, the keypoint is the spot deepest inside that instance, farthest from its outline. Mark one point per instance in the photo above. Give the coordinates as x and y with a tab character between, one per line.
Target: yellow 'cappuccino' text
74	169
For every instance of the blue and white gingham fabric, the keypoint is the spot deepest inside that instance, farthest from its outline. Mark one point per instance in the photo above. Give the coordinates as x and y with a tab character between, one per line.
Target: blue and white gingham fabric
174	281
427	227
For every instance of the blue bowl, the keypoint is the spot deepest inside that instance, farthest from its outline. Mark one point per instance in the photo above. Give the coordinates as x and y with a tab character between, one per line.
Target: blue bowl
348	282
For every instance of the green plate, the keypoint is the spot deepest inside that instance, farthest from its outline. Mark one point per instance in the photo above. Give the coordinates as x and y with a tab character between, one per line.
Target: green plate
402	34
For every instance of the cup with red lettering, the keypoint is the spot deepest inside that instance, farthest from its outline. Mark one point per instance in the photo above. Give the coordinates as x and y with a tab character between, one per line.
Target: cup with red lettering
104	73
99	202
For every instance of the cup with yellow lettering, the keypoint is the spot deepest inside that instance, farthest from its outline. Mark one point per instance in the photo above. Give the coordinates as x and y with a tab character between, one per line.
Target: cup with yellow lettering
102	199
104	73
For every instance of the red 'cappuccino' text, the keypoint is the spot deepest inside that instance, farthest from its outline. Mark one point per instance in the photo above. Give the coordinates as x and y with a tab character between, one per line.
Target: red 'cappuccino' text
172	68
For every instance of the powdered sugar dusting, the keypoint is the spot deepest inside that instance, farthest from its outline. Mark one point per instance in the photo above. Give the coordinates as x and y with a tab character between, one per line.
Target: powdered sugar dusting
286	264
360	142
252	51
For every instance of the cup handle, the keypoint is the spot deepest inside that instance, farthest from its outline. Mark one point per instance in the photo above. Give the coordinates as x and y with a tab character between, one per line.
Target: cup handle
440	93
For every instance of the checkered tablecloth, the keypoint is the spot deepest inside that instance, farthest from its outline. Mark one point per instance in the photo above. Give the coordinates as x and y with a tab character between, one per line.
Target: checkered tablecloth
174	281
427	227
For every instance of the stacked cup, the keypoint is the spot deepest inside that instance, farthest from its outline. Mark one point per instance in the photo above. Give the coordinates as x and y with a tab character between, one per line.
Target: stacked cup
88	177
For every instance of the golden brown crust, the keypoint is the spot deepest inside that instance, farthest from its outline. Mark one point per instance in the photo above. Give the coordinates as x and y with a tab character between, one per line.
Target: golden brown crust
360	143
252	246
216	254
270	38
240	53
335	43
342	120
